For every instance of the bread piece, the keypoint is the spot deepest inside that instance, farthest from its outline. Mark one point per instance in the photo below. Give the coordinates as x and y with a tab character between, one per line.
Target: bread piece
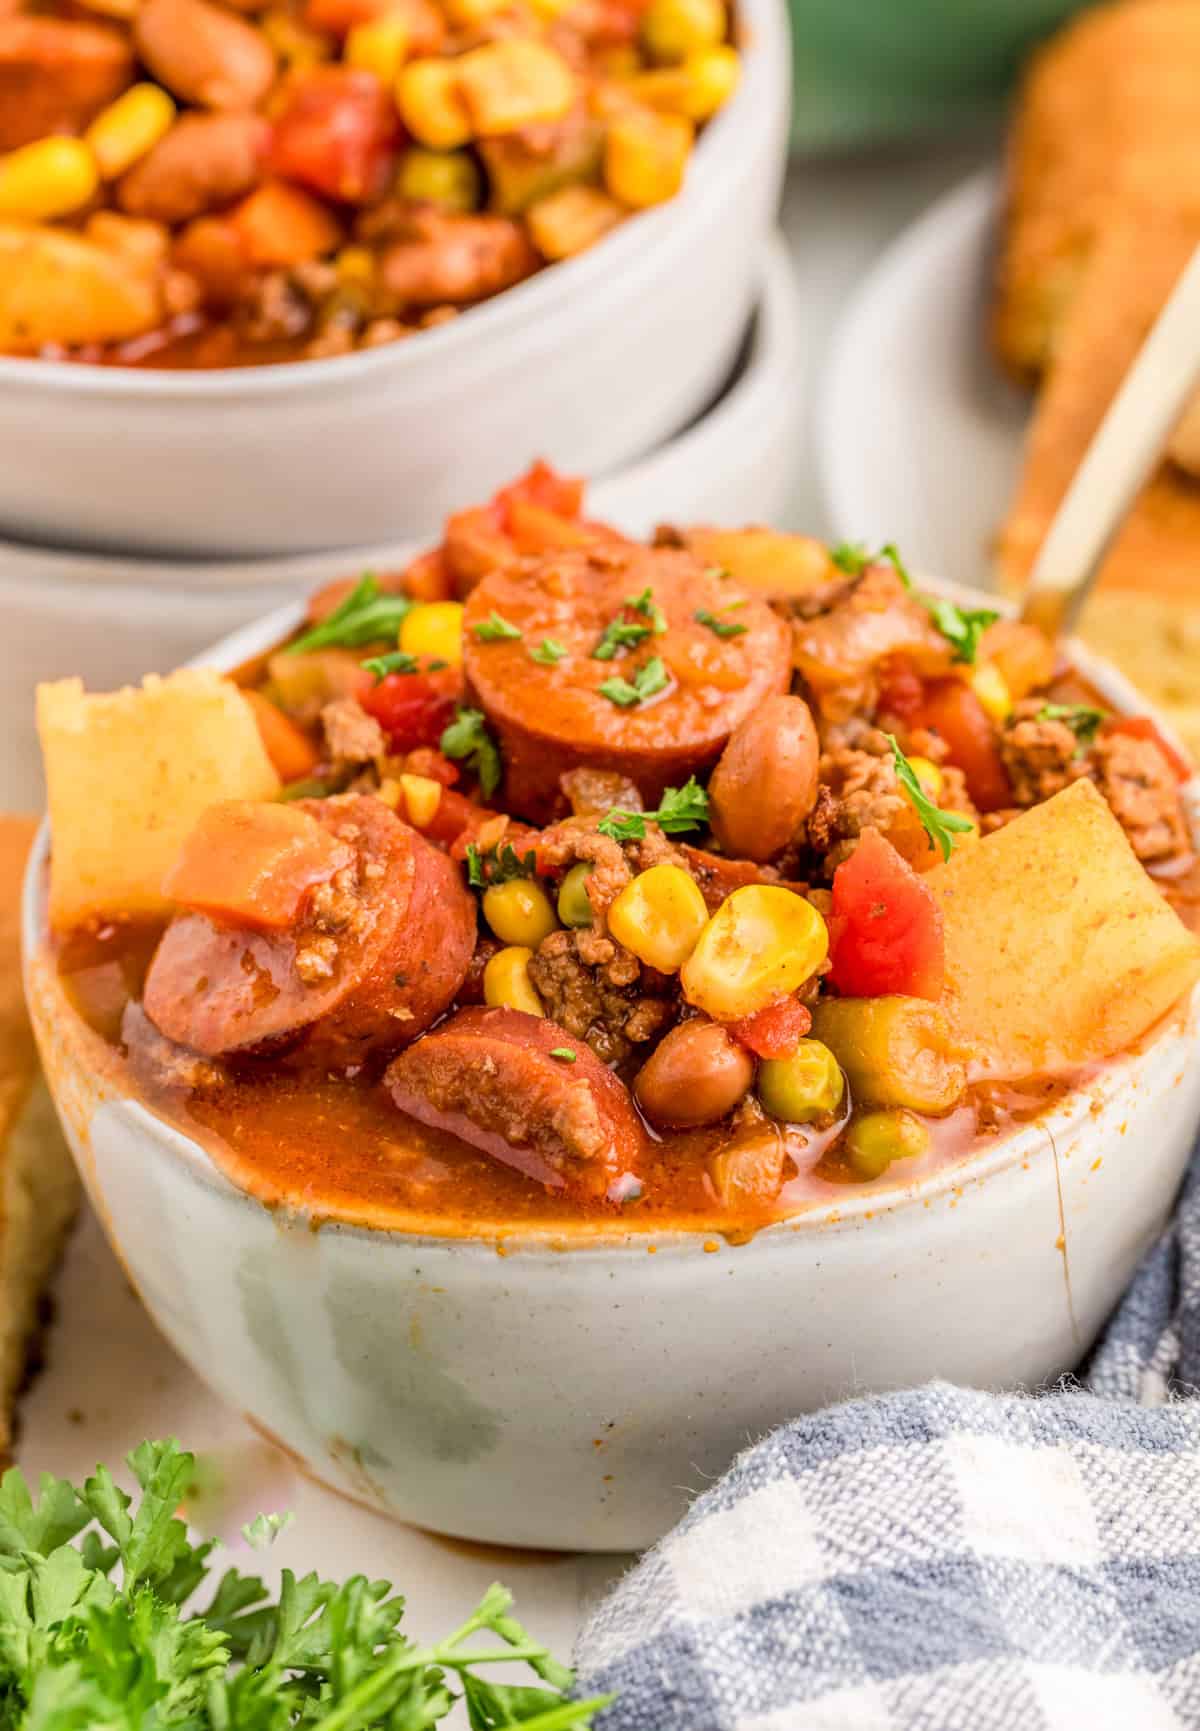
128	773
1107	129
39	1190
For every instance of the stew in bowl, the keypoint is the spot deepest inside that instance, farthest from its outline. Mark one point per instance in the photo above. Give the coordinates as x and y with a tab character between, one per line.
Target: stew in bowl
560	880
191	184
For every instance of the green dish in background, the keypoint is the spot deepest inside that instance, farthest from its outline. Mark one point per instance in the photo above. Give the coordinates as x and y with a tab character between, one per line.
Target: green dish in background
867	71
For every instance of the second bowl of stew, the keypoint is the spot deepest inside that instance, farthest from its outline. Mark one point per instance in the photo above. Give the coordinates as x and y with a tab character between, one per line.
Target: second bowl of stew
326	264
534	1024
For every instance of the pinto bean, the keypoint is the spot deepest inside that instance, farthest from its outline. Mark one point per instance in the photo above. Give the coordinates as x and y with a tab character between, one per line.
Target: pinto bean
206	160
204	54
56	75
696	1075
452	259
765	782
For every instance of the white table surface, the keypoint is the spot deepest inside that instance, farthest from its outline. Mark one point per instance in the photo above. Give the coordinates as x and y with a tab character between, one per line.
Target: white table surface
109	1380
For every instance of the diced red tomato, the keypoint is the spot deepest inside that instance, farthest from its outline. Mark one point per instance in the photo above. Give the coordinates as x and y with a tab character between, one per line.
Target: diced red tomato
901	688
1141	727
886	931
952	710
776	1031
337	133
541	486
413	708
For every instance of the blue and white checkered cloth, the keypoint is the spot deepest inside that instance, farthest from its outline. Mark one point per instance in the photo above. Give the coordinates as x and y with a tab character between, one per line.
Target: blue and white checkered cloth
943	1559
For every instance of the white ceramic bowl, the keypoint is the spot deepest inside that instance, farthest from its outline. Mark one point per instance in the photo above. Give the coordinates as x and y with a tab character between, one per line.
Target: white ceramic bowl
110	619
542	1392
590	363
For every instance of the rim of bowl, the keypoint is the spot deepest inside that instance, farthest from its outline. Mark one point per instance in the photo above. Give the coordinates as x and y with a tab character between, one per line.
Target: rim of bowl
774	333
762	44
576	1238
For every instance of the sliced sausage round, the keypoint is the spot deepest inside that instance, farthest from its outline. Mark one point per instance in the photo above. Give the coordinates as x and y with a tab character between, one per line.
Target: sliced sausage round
56	74
490	1077
378	954
691	656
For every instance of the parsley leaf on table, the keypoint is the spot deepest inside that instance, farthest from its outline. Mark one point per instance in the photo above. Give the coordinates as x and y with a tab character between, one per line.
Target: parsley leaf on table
98	1637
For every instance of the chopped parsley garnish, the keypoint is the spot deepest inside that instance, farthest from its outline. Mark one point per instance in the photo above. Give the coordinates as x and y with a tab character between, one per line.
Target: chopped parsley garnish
647	682
468	739
549	652
1084	722
399	661
495	629
720	627
565	1053
960	626
648	607
939	825
853	558
620	634
682	808
365	616
111	1617
498	866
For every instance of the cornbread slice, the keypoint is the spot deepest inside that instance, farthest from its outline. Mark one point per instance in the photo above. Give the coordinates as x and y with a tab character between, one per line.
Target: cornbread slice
1107	129
1146	613
39	1190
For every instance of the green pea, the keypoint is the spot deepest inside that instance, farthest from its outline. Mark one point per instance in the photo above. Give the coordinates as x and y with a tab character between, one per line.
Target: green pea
574	908
805	1086
877	1138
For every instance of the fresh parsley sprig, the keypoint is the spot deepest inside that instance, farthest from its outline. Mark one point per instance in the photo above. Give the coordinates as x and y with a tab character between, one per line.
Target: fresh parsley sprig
853	558
1084	722
681	808
619	634
647	682
719	627
962	627
399	661
549	652
365	616
99	1629
468	740
498	866
648	607
939	825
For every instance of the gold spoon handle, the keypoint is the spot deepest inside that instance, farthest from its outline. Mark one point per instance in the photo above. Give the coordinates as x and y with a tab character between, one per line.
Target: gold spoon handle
1119	460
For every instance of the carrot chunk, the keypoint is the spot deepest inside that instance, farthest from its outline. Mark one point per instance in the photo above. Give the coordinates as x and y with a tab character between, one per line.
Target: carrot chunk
292	753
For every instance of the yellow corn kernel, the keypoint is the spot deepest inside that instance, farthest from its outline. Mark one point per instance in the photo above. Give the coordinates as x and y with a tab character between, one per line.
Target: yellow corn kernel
549	10
514	83
762	943
422	796
697	89
659	917
465	13
50	178
355	264
294	44
449	178
928	774
519	912
506	982
570	220
987	682
645	155
673	29
431	104
434	628
390	792
129	127
380	46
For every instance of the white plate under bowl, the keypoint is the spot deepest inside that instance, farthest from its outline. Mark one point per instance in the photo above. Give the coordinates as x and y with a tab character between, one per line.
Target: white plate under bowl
919	438
110	619
592	363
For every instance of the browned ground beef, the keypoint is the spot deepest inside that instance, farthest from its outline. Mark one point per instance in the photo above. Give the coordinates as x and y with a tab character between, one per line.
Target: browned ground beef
1140	786
352	737
1041	756
596	991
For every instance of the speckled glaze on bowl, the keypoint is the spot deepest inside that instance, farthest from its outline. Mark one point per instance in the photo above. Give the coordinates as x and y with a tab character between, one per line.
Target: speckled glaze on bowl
573	1392
591	364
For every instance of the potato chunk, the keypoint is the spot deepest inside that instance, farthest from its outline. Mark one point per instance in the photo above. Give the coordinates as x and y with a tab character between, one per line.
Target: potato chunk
766	561
1059	949
57	287
128	774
